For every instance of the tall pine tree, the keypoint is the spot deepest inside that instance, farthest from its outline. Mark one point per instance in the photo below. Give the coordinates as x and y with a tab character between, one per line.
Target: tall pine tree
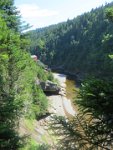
17	76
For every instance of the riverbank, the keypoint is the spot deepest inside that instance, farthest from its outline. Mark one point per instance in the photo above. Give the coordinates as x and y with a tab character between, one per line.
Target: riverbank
59	104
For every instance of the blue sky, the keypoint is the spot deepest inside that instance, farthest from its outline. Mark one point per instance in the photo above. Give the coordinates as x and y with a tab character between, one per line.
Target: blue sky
41	13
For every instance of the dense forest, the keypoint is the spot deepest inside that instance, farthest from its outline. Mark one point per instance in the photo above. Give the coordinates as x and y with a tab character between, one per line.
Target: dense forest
81	46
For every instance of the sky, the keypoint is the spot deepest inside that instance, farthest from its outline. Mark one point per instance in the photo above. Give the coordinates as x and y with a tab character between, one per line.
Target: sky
41	13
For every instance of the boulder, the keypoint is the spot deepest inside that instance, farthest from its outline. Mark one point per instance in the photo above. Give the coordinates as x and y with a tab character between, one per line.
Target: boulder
50	87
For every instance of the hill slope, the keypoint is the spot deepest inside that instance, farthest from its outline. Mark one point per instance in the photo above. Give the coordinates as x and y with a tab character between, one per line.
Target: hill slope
80	46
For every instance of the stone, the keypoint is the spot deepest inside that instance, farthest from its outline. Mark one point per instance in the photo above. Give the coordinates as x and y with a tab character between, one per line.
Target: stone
49	86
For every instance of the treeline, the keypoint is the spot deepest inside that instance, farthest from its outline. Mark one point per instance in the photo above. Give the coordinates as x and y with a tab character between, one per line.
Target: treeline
19	95
80	46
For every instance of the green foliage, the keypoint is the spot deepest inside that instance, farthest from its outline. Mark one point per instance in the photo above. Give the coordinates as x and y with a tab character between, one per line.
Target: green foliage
29	123
96	97
42	73
18	74
95	102
40	102
79	46
111	56
10	14
50	76
109	13
10	105
43	147
32	145
91	128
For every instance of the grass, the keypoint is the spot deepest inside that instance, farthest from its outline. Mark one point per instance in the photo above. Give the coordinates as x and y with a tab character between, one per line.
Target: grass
29	123
31	145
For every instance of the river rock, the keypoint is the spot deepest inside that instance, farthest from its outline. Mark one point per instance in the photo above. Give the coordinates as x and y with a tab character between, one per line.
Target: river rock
49	86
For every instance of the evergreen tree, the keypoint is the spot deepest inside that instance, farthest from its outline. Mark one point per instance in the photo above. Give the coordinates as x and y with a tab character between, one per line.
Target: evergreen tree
10	106
19	95
80	46
91	128
10	14
17	78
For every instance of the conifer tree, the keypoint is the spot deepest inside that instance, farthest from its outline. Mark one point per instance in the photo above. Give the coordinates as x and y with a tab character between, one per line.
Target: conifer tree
19	95
10	14
92	127
15	88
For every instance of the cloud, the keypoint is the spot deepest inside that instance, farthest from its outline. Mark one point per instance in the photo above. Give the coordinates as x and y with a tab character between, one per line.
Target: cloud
33	11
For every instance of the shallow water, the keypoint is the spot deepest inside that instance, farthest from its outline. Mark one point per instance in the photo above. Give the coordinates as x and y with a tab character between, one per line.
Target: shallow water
70	89
71	92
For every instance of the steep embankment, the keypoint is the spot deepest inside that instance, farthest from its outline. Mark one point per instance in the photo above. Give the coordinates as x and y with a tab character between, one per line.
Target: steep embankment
58	105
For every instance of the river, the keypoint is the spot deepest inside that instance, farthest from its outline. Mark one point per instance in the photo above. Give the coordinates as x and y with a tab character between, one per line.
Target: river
71	92
70	89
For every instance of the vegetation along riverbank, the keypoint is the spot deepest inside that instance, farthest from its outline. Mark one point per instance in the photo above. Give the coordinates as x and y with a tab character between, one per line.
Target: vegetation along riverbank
71	109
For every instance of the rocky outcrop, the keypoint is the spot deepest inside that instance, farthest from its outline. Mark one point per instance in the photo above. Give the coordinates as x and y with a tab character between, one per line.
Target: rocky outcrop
50	87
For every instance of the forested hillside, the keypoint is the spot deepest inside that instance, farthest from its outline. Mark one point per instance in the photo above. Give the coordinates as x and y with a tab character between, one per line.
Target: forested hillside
81	46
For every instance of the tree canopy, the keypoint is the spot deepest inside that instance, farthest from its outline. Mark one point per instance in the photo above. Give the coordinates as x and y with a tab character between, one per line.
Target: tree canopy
80	46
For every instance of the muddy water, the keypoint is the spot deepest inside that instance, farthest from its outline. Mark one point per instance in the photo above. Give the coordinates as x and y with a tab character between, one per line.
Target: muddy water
70	89
71	92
